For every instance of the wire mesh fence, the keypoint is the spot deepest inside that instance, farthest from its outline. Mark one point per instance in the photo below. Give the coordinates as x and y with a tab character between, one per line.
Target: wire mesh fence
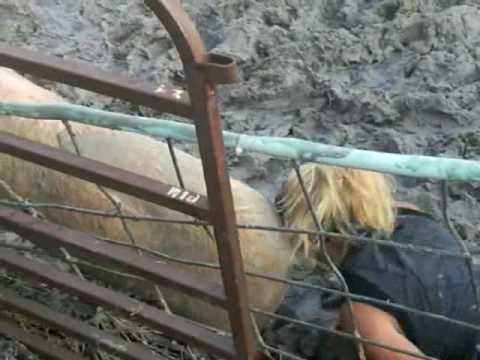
209	69
317	232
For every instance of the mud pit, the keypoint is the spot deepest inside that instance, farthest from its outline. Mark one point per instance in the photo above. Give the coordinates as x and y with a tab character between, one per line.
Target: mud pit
394	75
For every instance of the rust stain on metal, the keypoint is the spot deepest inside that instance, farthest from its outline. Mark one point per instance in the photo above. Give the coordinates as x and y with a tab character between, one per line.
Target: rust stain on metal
36	343
75	328
219	69
88	77
176	326
208	126
112	177
52	236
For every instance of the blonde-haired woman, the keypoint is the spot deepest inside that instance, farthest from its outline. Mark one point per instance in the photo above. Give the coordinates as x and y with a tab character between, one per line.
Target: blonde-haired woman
356	202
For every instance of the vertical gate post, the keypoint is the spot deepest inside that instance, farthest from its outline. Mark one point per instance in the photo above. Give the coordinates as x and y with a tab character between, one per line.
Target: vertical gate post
203	71
222	213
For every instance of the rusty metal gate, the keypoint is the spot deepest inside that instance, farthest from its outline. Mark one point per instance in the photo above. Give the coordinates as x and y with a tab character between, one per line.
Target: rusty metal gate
203	72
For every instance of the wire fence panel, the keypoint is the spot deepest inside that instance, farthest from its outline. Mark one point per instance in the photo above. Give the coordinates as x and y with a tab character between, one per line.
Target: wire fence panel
215	211
271	277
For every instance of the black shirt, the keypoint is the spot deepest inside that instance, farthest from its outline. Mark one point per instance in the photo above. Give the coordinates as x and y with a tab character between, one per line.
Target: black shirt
435	283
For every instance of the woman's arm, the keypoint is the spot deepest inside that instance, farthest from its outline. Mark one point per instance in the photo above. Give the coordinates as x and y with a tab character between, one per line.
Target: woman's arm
375	324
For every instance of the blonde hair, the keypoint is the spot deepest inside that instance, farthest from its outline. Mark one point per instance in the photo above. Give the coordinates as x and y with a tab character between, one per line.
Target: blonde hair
343	199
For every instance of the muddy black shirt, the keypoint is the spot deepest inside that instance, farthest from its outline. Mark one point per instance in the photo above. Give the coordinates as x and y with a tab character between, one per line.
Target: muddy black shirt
428	282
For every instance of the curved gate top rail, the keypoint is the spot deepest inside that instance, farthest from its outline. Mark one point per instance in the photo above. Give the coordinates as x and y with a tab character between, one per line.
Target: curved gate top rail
203	72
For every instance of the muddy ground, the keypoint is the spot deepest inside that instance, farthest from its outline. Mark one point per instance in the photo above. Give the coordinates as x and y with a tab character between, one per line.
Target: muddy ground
399	76
396	76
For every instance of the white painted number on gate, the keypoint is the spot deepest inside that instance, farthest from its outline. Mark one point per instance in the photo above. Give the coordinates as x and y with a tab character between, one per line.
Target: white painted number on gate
175	193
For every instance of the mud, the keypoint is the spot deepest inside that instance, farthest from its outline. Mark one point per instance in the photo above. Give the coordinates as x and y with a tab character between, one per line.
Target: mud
399	76
396	76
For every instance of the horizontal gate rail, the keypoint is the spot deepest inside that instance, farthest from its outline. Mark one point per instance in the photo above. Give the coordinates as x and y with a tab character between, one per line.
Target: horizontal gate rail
36	343
178	327
110	176
51	236
91	78
75	328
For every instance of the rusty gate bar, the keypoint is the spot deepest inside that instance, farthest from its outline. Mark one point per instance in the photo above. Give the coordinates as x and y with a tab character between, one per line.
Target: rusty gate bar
178	327
36	343
207	123
112	177
51	236
91	78
203	71
76	328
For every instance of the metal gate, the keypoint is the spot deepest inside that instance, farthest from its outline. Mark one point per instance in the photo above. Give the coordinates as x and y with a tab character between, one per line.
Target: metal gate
203	72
